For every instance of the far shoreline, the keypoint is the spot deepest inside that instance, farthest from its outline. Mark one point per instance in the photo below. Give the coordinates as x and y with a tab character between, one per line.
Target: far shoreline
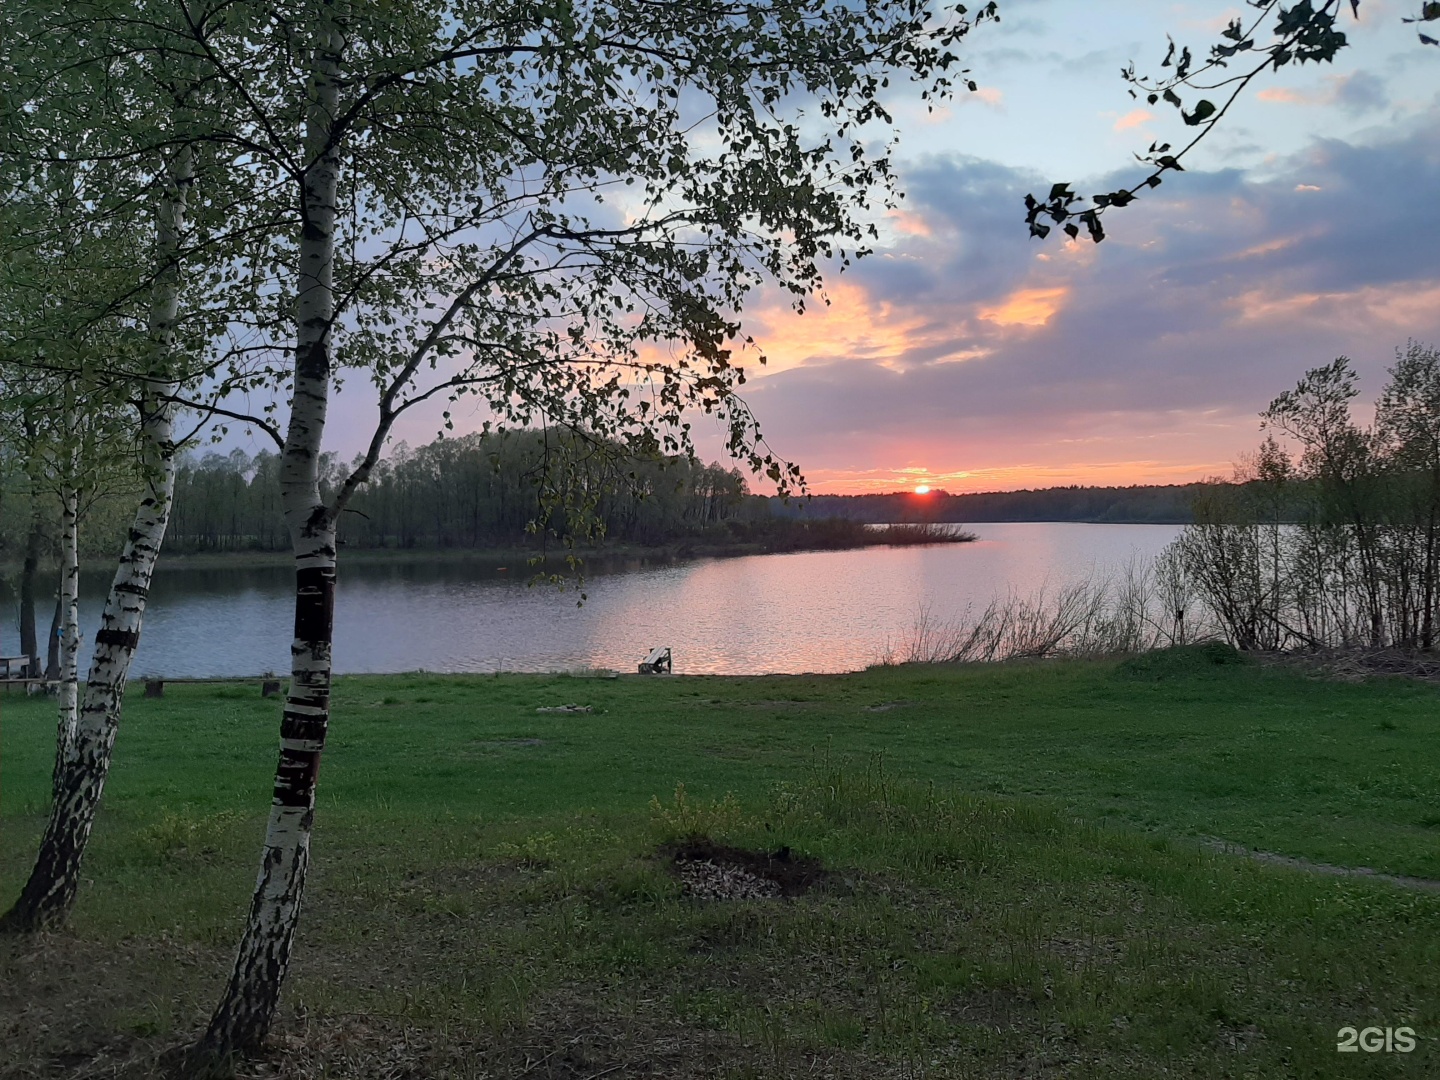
518	559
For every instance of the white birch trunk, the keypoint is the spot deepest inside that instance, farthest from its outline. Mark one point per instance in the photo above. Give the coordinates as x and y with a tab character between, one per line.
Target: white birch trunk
34	543
50	891
243	1017
69	695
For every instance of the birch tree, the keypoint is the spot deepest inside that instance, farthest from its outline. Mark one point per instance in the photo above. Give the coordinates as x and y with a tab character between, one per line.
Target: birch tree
86	751
109	283
34	539
75	441
552	212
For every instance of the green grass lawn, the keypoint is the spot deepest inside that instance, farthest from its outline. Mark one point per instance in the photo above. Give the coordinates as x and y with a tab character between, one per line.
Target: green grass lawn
1018	887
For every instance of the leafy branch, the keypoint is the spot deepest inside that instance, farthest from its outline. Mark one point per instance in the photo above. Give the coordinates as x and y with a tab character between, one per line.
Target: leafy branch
1203	91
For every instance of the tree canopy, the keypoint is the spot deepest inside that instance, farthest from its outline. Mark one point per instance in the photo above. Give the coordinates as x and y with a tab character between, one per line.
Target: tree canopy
555	209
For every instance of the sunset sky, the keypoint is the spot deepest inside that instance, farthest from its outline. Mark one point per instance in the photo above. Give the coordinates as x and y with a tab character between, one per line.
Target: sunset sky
965	355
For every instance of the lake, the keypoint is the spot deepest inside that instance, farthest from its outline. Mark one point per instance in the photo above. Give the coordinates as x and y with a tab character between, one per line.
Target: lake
806	612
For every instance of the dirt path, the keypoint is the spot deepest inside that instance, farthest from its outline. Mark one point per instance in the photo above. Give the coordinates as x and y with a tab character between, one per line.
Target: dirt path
1310	867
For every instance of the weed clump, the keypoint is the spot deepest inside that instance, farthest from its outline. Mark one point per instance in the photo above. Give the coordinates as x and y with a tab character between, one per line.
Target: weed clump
1181	661
694	819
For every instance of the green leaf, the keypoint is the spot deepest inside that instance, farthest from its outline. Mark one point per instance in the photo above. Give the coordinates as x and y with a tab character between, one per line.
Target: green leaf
1203	111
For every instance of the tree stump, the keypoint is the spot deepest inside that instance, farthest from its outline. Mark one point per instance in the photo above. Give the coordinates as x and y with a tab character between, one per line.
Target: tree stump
270	688
154	687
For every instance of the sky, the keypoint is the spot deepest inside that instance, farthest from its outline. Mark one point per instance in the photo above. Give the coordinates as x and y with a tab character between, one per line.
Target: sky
965	355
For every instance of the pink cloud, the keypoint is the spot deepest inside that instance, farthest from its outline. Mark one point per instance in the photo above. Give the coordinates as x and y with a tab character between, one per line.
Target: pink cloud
1134	119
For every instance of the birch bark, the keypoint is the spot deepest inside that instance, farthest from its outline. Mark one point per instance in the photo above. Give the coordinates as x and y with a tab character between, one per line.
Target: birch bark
52	645
69	696
243	1017
50	891
34	542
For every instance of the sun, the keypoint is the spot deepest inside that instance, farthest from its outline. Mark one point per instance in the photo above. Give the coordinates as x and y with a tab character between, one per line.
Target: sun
922	489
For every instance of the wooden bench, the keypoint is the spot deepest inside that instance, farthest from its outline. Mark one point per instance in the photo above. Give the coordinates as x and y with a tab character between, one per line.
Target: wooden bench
15	671
657	663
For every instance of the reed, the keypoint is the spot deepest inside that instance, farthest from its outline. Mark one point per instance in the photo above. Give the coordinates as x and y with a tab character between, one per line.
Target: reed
1129	610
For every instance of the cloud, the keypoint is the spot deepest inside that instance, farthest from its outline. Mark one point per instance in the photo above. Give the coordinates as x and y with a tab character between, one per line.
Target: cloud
849	324
1134	119
1147	357
1358	92
988	360
1284	95
1027	307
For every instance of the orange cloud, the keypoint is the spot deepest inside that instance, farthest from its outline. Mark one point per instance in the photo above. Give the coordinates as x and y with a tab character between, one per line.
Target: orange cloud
1280	95
1332	89
1267	248
1027	307
1134	119
853	326
909	224
962	355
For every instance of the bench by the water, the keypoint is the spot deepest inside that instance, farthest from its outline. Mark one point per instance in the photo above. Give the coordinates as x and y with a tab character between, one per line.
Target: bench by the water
16	671
657	663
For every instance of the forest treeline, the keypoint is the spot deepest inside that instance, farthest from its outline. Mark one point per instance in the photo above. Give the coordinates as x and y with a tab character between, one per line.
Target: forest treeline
508	491
494	490
1157	504
488	492
485	491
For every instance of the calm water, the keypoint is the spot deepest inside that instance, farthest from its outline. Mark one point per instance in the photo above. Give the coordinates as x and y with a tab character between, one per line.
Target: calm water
813	611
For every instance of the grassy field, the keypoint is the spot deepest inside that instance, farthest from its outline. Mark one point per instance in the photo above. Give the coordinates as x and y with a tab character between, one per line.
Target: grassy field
1019	882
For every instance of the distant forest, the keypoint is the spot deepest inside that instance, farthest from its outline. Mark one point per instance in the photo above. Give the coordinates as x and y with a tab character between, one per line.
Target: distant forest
476	491
1169	504
489	492
483	491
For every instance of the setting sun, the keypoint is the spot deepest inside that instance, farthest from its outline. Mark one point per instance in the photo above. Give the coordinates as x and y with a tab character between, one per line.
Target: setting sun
922	489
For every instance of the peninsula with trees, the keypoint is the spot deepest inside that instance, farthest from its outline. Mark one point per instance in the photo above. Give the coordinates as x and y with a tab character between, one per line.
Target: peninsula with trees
481	493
